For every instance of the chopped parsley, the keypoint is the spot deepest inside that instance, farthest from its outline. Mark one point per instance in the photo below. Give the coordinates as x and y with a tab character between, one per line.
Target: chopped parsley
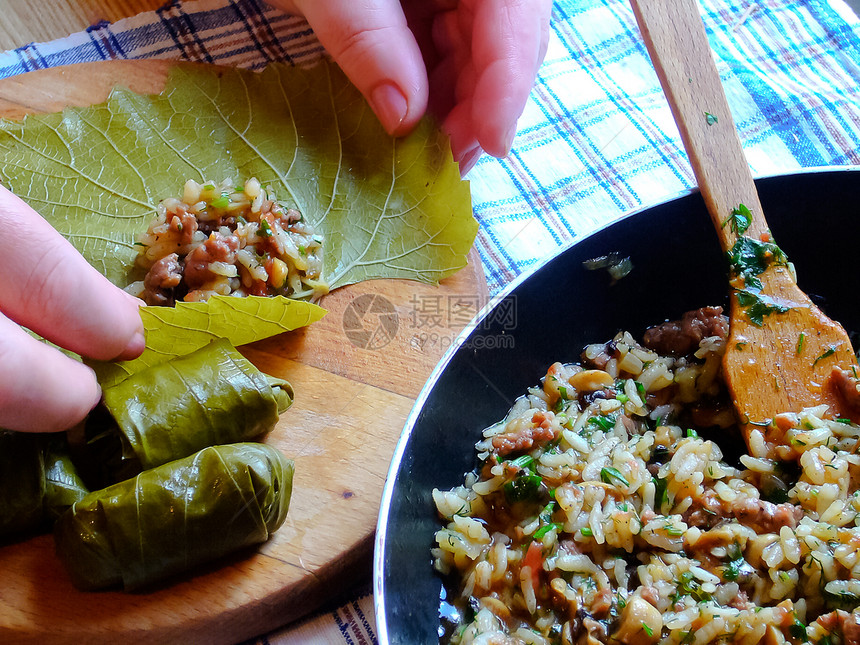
750	258
689	586
757	307
800	340
647	629
710	119
523	487
740	219
265	228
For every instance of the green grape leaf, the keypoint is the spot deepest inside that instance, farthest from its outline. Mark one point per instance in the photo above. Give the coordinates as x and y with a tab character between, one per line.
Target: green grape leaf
179	330
387	207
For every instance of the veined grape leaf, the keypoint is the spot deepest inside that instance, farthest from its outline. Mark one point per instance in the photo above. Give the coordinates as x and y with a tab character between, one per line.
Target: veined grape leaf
387	207
175	331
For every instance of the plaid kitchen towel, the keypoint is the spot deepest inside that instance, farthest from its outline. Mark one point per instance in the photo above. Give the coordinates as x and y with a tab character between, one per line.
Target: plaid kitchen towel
791	69
596	141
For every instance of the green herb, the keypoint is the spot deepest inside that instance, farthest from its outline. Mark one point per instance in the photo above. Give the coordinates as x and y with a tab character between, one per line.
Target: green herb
640	390
647	629
221	202
523	487
141	244
740	345
523	461
586	531
209	187
661	494
800	342
265	228
610	475
740	219
749	258
241	220
710	119
689	586
845	421
757	307
604	423
546	528
622	398
830	352
672	530
691	433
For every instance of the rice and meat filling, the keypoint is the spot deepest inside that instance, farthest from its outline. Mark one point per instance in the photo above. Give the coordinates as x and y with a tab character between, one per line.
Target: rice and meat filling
229	240
600	515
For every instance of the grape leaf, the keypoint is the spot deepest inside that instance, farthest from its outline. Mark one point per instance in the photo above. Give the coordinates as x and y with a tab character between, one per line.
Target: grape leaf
175	331
387	207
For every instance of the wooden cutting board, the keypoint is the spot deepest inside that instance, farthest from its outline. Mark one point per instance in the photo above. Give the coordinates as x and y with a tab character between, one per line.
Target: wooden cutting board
352	398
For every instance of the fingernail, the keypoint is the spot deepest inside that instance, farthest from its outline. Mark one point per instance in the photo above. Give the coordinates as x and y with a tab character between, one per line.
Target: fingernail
509	140
390	106
134	348
469	160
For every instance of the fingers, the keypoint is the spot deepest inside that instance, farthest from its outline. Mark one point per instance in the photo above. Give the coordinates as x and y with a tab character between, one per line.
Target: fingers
41	390
509	42
372	43
48	287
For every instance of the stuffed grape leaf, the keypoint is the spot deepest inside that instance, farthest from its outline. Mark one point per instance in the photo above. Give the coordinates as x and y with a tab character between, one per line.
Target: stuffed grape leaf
169	519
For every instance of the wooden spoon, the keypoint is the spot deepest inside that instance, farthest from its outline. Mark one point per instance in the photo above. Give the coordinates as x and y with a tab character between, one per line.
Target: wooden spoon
778	362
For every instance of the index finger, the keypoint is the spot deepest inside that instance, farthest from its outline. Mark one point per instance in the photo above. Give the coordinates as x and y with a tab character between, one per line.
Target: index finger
49	288
508	45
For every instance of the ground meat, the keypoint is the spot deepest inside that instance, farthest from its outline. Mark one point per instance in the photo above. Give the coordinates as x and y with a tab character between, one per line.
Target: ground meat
161	280
524	435
848	387
184	223
218	248
766	517
705	512
841	621
681	337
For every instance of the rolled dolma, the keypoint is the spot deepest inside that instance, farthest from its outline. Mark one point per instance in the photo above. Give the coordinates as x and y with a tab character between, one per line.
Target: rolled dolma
37	481
22	482
210	397
174	517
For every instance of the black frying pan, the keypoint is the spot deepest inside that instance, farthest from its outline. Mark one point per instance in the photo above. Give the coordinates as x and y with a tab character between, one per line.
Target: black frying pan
551	314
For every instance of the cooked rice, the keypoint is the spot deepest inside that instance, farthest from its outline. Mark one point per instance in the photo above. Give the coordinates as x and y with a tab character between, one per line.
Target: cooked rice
598	515
229	240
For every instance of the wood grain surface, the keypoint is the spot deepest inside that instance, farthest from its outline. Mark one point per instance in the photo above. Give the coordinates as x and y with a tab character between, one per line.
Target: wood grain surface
44	20
350	406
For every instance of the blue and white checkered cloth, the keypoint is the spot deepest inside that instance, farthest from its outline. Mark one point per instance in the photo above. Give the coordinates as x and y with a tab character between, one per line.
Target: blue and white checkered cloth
597	138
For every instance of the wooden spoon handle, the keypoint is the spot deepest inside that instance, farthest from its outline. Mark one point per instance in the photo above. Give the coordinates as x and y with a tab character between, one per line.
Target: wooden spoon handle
695	92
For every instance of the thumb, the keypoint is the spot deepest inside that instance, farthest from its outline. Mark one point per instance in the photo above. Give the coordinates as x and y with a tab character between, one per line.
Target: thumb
372	43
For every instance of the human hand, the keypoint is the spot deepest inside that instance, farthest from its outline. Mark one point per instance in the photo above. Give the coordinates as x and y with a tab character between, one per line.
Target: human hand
473	62
49	288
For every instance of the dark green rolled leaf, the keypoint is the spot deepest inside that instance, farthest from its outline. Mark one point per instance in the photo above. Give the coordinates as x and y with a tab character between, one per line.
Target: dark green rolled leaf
63	485
22	482
175	517
37	481
208	397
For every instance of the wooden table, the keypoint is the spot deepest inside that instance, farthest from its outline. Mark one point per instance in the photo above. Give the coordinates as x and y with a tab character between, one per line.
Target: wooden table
350	407
43	20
